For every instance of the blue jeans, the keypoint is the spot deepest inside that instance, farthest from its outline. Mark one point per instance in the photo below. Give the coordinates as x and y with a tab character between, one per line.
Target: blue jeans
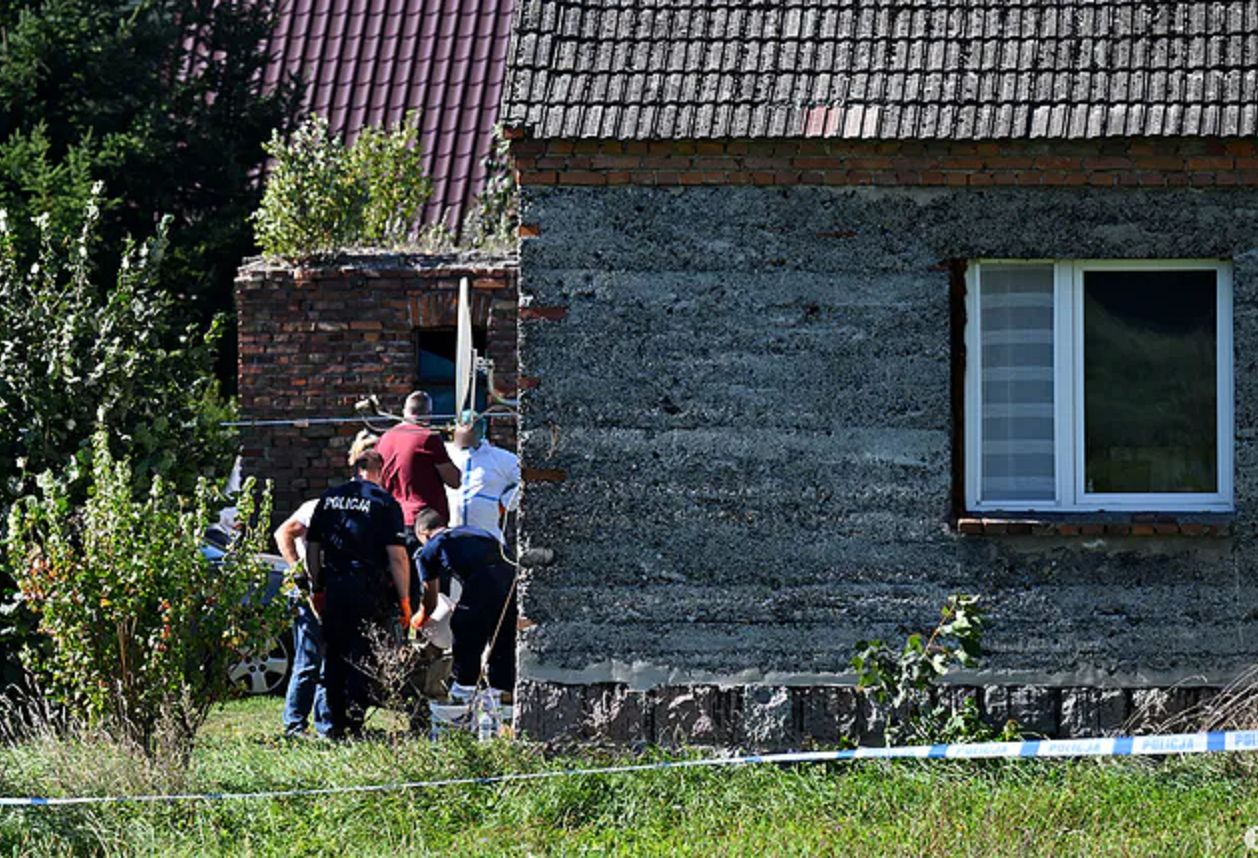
304	689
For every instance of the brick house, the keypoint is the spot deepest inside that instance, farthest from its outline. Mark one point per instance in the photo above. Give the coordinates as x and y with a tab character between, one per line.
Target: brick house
838	308
315	340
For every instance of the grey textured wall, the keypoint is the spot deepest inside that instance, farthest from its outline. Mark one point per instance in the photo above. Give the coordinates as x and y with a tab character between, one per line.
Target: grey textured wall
750	397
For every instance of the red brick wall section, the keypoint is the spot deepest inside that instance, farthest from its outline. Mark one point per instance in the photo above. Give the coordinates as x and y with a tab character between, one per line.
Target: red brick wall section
313	341
1170	162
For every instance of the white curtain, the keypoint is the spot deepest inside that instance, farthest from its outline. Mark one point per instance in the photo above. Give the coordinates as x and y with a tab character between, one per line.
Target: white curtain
1016	328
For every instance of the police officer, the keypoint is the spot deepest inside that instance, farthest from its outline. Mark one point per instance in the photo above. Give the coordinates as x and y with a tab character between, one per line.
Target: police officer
487	604
354	544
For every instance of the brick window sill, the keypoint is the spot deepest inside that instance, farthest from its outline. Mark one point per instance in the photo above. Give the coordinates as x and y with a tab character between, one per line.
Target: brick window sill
1096	524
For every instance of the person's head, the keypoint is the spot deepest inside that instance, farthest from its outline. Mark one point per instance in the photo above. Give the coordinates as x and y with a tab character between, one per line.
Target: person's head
417	407
465	435
428	523
363	441
470	431
368	465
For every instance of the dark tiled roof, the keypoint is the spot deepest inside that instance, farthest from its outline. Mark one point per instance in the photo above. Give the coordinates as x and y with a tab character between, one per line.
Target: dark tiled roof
884	69
371	61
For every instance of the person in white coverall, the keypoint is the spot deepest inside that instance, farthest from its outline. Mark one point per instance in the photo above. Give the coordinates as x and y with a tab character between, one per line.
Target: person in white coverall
490	480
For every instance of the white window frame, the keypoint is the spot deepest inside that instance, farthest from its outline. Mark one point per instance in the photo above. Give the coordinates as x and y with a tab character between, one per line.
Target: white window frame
1068	391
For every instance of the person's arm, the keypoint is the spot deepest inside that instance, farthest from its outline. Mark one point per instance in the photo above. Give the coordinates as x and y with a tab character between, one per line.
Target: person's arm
314	568
399	563
446	469
286	536
400	567
431	589
314	559
450	474
430	585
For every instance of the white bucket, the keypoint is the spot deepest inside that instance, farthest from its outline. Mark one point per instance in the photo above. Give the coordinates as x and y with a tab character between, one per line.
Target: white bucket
436	629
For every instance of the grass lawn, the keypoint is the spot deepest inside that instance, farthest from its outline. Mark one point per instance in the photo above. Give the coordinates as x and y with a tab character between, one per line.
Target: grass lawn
1199	806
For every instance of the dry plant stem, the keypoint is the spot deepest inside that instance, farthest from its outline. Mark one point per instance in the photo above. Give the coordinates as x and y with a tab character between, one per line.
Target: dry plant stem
1234	707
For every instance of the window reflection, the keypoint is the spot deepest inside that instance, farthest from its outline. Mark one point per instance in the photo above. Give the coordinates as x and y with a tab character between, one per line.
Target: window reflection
1149	358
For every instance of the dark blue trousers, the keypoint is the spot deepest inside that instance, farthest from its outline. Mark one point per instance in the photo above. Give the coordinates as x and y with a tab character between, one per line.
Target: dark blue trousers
475	618
353	605
304	691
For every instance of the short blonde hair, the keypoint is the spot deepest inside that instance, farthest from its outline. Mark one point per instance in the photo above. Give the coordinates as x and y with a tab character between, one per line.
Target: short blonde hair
363	442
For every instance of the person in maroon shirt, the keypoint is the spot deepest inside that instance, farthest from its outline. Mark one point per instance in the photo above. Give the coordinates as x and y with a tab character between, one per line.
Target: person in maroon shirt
416	465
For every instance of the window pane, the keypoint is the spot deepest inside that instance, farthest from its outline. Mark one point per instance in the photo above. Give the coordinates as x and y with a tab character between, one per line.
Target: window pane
1016	327
442	399
435	348
1150	409
436	356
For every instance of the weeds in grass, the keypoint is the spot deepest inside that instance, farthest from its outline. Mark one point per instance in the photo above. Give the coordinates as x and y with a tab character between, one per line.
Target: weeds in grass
68	755
1235	707
404	674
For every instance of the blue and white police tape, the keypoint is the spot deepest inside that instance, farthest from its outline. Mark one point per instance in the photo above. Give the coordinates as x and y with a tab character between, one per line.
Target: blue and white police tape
1120	746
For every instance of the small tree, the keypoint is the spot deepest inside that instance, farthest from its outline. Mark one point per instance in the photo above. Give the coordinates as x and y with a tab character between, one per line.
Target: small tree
313	203
76	351
388	162
142	627
322	196
901	683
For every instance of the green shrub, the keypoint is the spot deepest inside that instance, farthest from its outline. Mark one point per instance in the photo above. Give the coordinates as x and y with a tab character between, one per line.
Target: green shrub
142	627
77	352
901	684
323	196
389	165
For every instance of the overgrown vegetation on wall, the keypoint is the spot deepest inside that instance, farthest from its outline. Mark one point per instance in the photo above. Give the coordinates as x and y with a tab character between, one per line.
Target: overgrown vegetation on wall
323	195
494	222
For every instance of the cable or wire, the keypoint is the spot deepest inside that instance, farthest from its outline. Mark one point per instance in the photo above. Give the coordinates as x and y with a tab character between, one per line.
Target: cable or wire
482	681
438	419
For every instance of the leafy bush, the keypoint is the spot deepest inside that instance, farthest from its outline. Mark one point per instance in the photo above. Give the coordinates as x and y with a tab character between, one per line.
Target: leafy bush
901	684
389	166
313	202
76	352
322	196
494	222
142	627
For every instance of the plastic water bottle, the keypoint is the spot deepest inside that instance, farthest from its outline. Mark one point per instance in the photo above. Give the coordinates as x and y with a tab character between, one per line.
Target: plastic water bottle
485	727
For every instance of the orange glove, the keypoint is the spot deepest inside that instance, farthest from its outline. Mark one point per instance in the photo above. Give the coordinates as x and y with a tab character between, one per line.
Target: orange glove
417	622
405	605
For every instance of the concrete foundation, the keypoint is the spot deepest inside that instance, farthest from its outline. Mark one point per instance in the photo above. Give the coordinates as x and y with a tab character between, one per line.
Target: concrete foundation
776	717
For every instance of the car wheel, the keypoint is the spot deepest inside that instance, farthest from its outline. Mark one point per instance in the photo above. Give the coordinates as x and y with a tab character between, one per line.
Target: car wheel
264	671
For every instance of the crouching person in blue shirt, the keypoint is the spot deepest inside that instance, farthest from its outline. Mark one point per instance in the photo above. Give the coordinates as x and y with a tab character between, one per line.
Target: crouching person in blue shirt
354	546
486	605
